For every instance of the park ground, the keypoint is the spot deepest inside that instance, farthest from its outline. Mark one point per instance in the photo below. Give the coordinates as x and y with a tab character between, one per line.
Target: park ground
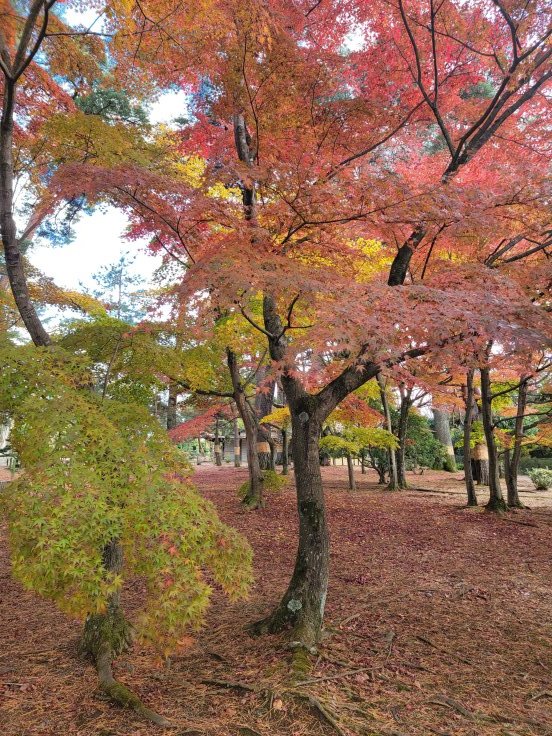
438	622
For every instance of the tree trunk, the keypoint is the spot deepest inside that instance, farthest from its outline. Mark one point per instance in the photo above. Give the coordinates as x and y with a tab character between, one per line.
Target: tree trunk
263	407
351	473
302	606
218	449
253	498
512	461
468	475
285	452
393	471
171	406
8	231
496	500
237	447
401	432
108	634
442	432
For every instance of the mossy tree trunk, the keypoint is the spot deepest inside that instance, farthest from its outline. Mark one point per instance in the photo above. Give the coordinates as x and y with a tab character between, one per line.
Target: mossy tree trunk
511	459
302	606
496	499
107	635
442	432
402	428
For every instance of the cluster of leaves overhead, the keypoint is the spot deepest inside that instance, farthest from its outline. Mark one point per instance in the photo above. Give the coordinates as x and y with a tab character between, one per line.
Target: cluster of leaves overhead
98	470
354	440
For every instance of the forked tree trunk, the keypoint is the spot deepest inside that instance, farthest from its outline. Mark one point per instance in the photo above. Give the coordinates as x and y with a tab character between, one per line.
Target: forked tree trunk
254	497
512	459
108	634
442	432
302	606
351	473
496	500
468	475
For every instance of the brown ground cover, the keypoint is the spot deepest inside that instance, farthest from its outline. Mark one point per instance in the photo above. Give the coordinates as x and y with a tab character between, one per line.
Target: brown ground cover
438	623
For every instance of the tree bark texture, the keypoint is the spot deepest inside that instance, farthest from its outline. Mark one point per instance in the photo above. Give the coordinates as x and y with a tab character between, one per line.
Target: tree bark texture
496	500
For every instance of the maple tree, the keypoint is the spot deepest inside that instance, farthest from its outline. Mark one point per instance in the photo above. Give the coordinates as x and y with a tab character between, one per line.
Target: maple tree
394	167
356	190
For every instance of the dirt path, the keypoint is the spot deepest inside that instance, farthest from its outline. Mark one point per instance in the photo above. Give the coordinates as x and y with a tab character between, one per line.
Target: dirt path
444	613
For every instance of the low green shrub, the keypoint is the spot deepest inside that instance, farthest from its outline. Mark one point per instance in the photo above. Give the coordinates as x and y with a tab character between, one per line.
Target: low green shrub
542	478
272	482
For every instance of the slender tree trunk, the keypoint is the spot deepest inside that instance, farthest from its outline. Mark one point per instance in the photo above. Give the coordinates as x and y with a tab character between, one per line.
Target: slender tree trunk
401	432
237	447
218	451
263	407
496	500
285	452
442	432
393	471
512	460
351	473
468	475
254	498
302	606
171	406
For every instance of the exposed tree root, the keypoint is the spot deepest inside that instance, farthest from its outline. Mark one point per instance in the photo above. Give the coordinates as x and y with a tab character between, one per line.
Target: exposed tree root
105	636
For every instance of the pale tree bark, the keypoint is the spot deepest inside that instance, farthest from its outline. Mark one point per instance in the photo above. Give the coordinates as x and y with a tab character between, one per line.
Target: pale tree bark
237	446
442	432
393	473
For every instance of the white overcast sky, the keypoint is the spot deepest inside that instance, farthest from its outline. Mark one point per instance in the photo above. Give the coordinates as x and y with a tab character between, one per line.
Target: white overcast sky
100	237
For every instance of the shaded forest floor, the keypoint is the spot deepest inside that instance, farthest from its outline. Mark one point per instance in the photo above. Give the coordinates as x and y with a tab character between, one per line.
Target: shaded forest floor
438	623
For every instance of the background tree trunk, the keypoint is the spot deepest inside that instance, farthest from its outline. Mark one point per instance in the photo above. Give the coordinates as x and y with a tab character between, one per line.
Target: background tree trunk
393	472
217	448
171	406
351	473
285	452
496	500
512	460
401	434
442	432
254	498
237	447
469	403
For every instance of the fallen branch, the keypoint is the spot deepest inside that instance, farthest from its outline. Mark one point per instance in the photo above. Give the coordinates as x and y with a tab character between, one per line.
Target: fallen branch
443	650
447	702
230	685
